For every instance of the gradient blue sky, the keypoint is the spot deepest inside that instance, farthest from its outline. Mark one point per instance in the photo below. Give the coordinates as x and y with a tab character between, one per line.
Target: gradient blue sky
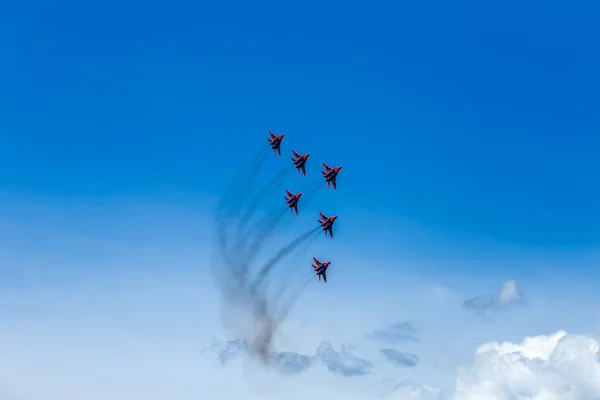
468	132
468	118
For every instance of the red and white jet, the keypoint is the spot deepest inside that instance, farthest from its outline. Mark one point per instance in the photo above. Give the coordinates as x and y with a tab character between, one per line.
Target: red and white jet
327	223
275	142
330	175
321	269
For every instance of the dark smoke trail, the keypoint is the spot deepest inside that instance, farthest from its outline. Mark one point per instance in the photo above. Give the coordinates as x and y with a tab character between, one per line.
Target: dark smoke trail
290	247
285	286
240	242
264	341
265	233
268	227
232	202
307	244
236	190
266	269
251	209
240	268
267	221
285	310
242	265
240	185
318	182
312	192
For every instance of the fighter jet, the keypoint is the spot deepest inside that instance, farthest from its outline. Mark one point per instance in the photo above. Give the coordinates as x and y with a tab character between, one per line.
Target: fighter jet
321	269
292	200
275	142
300	161
327	223
330	175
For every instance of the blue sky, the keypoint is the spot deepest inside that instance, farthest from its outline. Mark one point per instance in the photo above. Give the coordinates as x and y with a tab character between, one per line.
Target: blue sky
470	119
468	133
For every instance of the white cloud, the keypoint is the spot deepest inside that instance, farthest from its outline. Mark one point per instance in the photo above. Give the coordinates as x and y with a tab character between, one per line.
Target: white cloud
547	367
508	296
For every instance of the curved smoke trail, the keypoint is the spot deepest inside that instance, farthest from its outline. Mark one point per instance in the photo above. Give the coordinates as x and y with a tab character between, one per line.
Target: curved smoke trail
239	247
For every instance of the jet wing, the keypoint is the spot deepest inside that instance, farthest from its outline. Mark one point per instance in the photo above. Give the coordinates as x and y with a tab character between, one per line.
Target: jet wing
327	167
324	277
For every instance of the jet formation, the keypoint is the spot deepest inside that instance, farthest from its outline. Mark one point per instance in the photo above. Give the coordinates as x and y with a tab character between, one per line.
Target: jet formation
330	175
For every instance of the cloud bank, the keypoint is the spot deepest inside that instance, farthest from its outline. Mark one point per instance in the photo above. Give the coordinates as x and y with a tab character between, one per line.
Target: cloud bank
342	362
558	366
